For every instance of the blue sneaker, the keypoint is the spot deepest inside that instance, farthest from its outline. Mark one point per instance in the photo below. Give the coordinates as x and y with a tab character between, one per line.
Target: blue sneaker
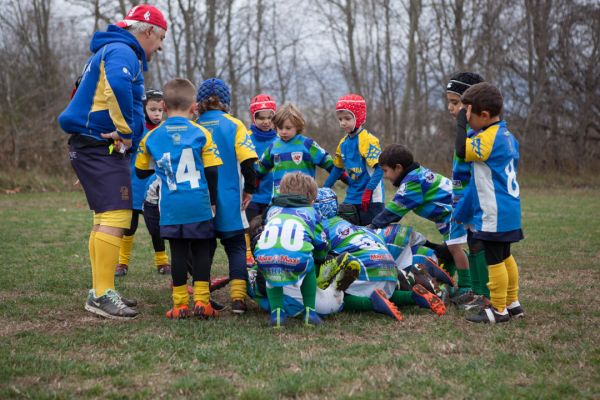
277	319
382	305
311	318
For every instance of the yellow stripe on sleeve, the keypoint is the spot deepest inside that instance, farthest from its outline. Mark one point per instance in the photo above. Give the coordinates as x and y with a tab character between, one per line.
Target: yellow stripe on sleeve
479	147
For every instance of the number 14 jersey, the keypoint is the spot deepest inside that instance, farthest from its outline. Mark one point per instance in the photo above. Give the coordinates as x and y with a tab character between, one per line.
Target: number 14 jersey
179	150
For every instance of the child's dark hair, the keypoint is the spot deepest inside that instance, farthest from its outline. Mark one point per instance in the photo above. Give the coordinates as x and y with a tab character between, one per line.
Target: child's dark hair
483	97
396	154
460	82
212	103
179	93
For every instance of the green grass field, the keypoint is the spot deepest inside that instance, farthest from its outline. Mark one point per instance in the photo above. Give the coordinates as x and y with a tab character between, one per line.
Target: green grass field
51	348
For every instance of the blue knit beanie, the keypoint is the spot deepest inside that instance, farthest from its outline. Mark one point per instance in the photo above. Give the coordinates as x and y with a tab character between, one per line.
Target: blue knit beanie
212	87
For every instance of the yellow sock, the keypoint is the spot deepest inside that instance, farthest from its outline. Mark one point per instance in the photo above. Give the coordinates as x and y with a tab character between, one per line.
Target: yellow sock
498	284
248	249
201	292
180	296
125	251
237	289
92	251
512	293
106	255
160	258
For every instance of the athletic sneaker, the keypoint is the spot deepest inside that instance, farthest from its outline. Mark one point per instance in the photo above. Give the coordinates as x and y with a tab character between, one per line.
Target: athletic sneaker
349	271
128	302
109	305
382	305
436	272
277	319
478	303
204	311
425	299
217	306
311	318
218	283
515	310
178	312
329	269
239	307
462	298
163	269
121	270
422	277
489	315
403	283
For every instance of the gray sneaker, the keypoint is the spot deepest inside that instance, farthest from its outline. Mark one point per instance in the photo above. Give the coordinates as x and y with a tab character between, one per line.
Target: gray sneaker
478	303
128	302
109	305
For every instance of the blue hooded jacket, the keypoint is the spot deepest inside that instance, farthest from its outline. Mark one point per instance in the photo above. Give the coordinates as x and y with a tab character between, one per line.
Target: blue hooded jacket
111	91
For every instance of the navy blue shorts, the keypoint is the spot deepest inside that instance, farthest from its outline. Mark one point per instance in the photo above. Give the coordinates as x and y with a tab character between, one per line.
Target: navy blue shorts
105	178
196	230
152	218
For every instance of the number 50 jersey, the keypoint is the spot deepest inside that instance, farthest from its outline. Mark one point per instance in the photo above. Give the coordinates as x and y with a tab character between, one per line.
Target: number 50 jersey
179	150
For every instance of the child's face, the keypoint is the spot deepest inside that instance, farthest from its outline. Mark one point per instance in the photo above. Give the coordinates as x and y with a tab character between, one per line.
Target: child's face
454	104
346	120
154	109
392	174
264	120
477	121
287	131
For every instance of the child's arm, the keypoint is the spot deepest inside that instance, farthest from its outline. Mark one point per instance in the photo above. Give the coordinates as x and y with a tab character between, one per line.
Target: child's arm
335	174
246	156
320	244
370	149
408	197
371	185
144	164
461	133
265	163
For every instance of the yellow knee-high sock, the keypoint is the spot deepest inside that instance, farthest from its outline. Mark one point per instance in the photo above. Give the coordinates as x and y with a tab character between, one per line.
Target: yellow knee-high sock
180	296
512	293
125	251
92	250
237	289
248	249
498	284
107	253
201	292
160	258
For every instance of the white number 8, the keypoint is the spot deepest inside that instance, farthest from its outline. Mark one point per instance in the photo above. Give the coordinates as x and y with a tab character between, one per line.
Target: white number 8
511	179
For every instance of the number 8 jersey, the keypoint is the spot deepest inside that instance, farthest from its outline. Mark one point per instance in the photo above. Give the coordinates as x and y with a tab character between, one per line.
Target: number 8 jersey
495	204
179	150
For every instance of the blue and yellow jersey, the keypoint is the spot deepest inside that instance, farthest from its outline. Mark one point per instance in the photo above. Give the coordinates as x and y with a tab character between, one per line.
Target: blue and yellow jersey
179	150
284	252
426	193
358	155
262	140
235	147
376	262
110	94
494	201
299	154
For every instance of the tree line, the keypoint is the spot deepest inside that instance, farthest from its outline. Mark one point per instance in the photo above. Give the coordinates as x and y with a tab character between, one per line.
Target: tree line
544	55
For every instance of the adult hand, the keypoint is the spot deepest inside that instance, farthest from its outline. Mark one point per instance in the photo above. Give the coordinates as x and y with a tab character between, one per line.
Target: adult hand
120	145
366	199
246	199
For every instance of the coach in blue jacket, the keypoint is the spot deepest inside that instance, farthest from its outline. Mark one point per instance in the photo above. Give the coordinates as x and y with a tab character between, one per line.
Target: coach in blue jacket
103	118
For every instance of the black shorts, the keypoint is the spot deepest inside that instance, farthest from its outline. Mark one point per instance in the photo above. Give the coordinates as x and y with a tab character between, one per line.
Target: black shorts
152	218
196	230
105	177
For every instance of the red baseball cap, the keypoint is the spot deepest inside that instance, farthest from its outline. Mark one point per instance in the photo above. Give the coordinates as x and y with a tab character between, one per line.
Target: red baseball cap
144	13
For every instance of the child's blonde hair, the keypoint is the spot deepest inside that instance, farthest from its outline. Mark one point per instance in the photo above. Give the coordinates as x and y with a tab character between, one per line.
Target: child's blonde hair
289	111
300	184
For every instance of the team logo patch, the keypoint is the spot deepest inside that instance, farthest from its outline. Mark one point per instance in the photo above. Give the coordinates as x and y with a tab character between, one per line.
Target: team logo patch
124	193
430	177
297	157
343	232
402	190
147	16
176	138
